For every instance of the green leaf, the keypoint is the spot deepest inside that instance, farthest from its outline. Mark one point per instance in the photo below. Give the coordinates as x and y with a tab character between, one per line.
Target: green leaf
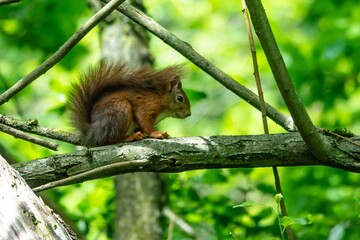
248	204
287	221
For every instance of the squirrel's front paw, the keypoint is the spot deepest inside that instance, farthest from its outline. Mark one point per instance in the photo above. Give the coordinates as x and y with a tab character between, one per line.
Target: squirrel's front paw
159	134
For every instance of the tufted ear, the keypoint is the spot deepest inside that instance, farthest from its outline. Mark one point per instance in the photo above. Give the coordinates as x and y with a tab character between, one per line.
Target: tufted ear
175	83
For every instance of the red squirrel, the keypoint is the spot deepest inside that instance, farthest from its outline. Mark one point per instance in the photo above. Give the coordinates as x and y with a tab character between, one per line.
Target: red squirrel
114	103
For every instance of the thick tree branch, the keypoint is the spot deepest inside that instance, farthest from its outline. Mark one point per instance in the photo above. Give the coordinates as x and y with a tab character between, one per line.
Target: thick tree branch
183	154
63	50
187	51
301	118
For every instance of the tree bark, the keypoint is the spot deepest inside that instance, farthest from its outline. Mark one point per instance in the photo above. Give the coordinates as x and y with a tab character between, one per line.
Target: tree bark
182	154
24	215
138	206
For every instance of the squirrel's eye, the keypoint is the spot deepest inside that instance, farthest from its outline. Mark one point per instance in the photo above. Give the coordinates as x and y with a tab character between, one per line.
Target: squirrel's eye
180	98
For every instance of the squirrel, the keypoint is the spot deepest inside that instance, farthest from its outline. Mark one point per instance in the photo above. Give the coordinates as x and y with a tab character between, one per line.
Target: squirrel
114	103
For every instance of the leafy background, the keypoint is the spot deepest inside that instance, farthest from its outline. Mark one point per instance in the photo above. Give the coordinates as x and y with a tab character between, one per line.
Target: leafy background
320	44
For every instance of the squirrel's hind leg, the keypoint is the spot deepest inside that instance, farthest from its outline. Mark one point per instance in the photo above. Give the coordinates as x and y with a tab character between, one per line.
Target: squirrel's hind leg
136	136
110	121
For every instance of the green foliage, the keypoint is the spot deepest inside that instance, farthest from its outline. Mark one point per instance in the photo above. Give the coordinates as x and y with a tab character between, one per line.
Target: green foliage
327	56
320	44
284	221
42	26
91	206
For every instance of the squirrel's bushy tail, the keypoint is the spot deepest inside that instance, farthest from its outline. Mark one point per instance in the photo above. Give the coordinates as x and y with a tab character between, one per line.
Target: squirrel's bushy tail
106	78
90	87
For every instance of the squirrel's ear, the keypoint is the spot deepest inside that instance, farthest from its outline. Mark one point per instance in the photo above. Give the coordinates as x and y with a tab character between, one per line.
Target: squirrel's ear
175	83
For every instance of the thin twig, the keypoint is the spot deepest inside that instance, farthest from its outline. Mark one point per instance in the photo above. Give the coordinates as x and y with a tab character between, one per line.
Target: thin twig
256	68
263	111
288	230
187	51
171	228
16	102
63	50
24	136
93	174
184	226
233	236
31	126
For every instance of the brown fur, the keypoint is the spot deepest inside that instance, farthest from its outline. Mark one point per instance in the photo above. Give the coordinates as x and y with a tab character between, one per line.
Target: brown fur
111	100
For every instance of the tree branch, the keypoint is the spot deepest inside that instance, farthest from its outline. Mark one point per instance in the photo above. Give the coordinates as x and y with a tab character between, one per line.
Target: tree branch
301	118
184	226
31	126
63	50
24	136
187	51
182	154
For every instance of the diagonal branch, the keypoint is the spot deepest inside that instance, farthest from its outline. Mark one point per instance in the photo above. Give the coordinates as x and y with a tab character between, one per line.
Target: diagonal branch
187	51
63	50
19	134
301	118
181	154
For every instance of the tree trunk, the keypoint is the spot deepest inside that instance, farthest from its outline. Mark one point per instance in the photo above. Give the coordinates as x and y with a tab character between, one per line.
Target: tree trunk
138	208
24	215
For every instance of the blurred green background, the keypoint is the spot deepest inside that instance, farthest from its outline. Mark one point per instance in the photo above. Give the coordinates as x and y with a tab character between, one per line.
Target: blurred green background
320	42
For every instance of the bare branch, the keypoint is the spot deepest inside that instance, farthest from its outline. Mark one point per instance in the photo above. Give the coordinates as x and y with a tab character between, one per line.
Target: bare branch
91	173
184	226
32	126
256	68
19	134
182	154
187	51
63	50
